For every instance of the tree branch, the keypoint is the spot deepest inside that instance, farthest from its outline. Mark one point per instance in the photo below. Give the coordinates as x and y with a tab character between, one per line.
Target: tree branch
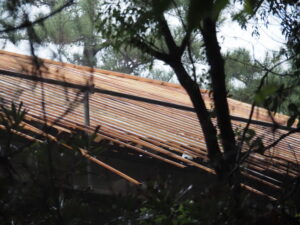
192	60
250	118
282	137
186	39
170	42
184	43
141	44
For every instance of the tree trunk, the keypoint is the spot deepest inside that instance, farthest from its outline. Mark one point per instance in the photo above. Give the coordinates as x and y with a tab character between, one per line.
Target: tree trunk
89	55
208	129
217	75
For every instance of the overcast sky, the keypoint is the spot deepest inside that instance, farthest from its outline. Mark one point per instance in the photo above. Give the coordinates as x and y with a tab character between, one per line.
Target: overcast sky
231	36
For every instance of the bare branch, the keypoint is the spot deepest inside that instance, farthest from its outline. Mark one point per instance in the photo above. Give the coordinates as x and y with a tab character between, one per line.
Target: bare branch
282	137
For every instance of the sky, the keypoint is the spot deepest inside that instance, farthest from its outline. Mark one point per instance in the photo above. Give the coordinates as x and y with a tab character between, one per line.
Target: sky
231	36
270	39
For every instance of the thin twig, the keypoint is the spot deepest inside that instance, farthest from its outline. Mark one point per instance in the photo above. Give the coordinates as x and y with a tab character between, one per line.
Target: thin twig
282	137
264	68
251	113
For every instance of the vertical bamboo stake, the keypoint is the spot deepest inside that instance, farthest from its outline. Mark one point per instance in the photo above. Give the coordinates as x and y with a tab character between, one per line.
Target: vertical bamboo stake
86	106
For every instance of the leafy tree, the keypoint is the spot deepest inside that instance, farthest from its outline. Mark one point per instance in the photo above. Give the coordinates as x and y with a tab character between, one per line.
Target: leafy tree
70	28
241	68
16	20
244	76
125	60
145	25
75	27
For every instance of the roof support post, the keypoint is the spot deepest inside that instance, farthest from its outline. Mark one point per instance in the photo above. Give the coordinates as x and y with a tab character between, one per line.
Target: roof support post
86	108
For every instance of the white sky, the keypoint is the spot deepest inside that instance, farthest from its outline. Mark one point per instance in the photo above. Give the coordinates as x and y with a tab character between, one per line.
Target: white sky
231	36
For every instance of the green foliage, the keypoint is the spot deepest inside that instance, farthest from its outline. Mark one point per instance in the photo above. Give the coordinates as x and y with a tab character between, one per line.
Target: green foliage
240	65
78	27
123	24
252	141
264	93
278	91
212	205
10	121
125	60
36	177
161	75
161	206
73	27
38	190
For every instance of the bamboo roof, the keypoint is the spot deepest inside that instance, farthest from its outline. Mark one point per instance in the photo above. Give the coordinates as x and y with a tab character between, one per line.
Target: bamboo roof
150	117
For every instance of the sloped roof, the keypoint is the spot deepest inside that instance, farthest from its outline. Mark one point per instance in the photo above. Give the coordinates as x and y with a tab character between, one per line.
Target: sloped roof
150	117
